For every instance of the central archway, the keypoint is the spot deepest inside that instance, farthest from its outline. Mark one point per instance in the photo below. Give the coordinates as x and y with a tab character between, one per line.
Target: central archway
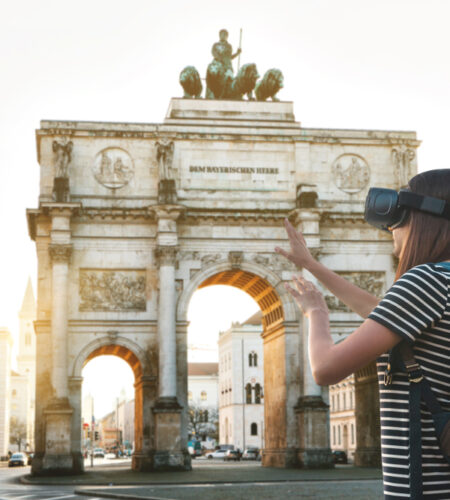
282	352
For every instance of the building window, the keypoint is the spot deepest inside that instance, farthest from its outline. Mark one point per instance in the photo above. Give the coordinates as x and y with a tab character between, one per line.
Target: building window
257	394
254	429
253	359
334	434
203	395
351	399
190	395
353	434
344	401
248	394
339	434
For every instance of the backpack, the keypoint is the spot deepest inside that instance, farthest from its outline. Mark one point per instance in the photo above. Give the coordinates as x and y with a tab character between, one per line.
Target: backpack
402	358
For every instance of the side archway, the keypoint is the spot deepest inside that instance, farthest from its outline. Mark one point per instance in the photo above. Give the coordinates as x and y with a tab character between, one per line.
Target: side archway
145	394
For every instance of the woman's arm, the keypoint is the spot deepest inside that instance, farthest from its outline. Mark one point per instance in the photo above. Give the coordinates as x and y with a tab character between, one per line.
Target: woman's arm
331	362
355	298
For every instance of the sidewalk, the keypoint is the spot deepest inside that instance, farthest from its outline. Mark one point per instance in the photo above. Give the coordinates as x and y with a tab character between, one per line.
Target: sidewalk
208	474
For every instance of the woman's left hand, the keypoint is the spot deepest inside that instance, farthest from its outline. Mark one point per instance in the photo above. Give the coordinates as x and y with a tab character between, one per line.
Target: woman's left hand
307	296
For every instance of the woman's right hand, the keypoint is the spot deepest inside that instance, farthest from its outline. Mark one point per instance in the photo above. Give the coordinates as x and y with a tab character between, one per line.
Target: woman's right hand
299	254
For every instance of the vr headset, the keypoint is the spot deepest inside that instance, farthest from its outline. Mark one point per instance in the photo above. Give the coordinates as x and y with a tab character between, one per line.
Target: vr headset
386	209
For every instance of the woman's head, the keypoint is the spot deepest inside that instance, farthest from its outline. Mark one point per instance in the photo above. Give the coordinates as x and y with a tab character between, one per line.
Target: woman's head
424	237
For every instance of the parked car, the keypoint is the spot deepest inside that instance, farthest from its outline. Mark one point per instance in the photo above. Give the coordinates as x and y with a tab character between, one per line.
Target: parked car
340	457
232	455
216	454
250	454
19	459
30	458
98	453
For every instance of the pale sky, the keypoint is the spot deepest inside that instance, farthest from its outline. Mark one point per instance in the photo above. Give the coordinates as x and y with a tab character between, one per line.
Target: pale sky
347	64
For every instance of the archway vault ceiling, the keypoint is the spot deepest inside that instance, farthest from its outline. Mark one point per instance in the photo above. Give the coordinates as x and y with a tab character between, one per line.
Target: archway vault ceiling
121	352
258	288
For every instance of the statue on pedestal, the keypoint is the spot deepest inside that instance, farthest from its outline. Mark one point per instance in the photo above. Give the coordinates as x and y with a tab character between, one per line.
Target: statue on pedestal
167	193
63	152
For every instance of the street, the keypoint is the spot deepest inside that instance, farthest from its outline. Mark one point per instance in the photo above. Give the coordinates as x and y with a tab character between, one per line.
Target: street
214	488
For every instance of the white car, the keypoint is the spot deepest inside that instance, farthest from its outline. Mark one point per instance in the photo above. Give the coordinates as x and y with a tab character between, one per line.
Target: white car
217	454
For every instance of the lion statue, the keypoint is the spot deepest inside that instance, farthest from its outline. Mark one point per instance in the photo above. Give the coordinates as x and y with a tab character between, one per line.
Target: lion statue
271	83
245	82
218	81
191	83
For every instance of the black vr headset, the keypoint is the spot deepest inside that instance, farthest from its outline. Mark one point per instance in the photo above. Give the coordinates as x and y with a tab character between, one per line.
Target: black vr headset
386	209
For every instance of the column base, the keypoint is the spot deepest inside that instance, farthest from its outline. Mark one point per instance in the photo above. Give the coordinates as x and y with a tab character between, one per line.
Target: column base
368	457
315	451
281	458
142	463
169	454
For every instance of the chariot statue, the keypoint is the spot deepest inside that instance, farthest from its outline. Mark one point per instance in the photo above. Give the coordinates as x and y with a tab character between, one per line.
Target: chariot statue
221	83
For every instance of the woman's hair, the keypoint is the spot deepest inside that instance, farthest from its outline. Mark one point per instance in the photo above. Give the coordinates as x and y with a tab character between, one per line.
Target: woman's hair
428	238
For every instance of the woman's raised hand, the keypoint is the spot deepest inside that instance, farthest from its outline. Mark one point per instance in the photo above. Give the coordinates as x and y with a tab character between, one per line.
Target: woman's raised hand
299	253
307	296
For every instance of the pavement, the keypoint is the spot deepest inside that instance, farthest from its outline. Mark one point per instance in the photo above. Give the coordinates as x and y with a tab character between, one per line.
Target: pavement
218	480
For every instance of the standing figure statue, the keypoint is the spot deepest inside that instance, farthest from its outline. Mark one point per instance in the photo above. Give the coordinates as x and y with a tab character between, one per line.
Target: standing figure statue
63	152
220	74
164	157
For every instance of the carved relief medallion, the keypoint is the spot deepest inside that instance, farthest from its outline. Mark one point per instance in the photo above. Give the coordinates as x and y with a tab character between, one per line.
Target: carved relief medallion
112	290
372	282
113	167
351	173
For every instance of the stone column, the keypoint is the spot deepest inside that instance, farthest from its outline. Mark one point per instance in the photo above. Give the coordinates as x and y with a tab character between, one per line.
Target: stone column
59	452
166	256
312	410
170	452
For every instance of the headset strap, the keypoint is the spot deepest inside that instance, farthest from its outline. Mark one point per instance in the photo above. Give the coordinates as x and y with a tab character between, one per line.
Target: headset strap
428	204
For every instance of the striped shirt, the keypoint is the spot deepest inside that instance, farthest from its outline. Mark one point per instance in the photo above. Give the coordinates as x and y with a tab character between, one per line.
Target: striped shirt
417	307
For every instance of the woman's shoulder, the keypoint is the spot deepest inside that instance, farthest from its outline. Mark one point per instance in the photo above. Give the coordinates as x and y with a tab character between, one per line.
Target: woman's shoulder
434	273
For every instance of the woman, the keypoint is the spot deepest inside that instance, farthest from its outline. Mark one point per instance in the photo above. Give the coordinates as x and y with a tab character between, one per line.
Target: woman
416	310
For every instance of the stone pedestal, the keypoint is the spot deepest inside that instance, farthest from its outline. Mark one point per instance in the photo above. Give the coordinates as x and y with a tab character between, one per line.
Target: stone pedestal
169	455
58	459
314	451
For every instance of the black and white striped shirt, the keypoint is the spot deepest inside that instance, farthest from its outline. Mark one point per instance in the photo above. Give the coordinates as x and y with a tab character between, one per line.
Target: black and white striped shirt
417	307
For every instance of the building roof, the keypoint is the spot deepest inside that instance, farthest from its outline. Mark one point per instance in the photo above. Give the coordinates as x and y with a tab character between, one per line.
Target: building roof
203	369
29	302
256	319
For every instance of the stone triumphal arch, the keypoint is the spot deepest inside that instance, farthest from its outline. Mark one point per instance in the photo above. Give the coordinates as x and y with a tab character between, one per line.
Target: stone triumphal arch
133	218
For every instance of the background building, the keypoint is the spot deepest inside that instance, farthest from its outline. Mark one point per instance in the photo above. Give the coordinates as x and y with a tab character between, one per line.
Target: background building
342	416
6	343
203	401
241	375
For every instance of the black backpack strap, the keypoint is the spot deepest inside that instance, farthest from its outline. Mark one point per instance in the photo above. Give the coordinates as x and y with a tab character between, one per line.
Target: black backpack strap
419	389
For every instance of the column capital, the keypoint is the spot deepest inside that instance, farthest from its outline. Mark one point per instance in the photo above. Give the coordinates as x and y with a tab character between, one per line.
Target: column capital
170	212
166	255
60	252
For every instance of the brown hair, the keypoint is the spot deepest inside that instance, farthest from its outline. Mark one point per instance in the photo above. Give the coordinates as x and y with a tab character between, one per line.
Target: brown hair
428	237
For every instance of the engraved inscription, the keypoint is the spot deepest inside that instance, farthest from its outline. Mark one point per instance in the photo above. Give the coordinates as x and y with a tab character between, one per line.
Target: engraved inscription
112	290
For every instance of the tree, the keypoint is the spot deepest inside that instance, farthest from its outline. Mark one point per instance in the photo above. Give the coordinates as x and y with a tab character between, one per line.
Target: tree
203	422
17	432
